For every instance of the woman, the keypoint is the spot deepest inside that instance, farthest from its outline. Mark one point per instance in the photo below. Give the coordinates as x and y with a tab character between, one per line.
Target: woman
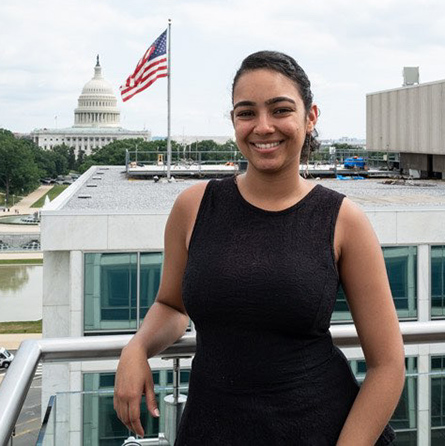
256	262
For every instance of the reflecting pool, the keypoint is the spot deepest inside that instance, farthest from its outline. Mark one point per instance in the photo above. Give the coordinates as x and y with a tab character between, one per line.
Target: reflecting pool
20	292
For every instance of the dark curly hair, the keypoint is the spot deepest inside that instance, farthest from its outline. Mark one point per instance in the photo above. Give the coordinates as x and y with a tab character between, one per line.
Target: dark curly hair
287	66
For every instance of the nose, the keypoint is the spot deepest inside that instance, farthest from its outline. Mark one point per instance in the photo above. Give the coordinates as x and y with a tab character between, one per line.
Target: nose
263	125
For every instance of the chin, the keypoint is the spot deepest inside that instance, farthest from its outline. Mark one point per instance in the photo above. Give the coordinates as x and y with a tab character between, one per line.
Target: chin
267	168
274	166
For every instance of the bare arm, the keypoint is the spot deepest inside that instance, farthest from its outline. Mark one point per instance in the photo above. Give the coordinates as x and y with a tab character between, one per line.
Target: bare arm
164	323
364	278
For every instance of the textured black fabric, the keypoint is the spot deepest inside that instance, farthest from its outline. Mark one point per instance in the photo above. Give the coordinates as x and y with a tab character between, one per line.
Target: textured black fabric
260	287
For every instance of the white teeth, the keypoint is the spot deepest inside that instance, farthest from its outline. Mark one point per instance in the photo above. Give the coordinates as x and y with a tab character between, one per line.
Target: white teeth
266	146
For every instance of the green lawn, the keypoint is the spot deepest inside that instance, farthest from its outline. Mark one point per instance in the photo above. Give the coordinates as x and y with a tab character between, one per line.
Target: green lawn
52	193
21	261
12	199
21	327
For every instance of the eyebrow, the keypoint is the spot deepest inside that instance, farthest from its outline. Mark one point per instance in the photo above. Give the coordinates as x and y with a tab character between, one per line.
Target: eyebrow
268	102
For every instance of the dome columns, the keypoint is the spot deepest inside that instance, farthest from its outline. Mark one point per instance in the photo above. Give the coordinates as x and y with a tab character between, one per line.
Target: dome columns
97	104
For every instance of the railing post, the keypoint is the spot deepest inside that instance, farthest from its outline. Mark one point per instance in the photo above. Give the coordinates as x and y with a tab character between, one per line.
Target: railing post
174	406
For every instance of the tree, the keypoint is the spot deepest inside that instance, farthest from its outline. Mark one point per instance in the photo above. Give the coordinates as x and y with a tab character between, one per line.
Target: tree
61	158
113	154
80	158
72	159
18	171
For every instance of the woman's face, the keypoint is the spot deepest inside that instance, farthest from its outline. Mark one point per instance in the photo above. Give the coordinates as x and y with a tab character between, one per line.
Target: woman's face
270	120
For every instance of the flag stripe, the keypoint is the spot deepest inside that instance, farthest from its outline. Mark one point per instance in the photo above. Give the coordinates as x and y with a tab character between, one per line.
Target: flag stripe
141	63
142	82
149	80
143	74
144	87
152	66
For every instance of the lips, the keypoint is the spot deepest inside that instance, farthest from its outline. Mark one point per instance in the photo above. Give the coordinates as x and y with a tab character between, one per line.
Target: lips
266	147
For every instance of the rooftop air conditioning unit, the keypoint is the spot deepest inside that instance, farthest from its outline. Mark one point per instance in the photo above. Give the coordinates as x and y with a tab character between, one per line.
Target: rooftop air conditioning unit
410	76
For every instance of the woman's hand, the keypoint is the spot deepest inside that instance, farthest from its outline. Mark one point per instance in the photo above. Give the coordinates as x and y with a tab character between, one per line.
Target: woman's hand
165	321
134	379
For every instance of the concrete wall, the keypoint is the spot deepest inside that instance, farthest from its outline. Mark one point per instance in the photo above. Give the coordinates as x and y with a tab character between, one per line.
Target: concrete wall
408	119
141	232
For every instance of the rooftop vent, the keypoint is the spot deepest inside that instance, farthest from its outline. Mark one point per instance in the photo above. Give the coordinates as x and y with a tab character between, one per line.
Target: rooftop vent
410	76
84	196
92	185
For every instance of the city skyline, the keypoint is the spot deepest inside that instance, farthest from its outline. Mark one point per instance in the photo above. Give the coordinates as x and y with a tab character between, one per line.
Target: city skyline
348	50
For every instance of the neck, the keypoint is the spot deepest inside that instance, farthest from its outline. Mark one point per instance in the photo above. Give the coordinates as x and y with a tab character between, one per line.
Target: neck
271	190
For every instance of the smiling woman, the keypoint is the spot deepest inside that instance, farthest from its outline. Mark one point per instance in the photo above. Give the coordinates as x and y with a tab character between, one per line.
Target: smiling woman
271	126
256	262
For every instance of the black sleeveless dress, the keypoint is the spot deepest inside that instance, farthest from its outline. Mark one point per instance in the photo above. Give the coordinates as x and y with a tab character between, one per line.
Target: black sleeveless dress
260	287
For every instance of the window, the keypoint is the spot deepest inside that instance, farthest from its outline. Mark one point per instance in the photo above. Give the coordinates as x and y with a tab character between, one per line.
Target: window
401	266
437	400
438	281
404	419
101	426
113	297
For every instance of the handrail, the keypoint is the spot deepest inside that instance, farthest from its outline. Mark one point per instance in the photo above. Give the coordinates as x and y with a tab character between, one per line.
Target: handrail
17	381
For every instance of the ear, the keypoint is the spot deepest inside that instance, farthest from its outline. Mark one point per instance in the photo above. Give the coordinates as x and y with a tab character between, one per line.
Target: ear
311	118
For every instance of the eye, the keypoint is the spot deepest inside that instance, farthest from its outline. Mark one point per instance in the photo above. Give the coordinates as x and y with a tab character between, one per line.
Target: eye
282	111
244	113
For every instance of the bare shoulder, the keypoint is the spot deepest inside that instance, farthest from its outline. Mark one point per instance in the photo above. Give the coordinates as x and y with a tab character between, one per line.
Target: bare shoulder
353	229
176	238
191	196
185	209
350	214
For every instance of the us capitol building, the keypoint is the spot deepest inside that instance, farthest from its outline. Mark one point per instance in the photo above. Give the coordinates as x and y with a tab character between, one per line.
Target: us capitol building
96	120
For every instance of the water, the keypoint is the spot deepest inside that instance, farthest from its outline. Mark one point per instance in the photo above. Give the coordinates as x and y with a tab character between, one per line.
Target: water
20	292
28	219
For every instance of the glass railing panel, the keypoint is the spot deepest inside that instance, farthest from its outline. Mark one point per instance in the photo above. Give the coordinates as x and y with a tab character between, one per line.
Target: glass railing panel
88	418
46	433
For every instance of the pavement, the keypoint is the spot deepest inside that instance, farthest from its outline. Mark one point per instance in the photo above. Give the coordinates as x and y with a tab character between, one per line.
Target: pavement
20	255
24	205
13	341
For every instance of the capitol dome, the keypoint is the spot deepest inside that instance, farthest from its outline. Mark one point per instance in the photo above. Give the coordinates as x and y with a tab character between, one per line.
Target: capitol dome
97	104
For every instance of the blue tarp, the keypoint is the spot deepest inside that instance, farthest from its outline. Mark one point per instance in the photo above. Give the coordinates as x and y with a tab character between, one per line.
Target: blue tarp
353	177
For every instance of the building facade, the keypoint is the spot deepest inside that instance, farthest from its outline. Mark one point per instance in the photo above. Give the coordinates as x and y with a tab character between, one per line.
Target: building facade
102	241
409	120
96	120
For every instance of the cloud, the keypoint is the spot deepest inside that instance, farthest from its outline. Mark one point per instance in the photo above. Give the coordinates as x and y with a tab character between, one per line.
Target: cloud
348	48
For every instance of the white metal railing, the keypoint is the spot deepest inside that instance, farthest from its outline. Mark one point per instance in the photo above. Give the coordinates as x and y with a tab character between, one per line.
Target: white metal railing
17	381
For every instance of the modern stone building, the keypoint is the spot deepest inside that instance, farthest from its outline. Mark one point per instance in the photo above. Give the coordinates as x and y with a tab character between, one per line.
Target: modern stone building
96	120
102	242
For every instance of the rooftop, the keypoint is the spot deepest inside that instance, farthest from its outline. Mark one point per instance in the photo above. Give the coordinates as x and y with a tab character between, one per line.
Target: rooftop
105	190
88	130
406	87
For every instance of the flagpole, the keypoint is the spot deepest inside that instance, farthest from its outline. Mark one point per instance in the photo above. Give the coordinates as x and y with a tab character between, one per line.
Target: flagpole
169	144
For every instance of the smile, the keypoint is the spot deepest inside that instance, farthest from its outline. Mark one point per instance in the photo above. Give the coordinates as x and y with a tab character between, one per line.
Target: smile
266	146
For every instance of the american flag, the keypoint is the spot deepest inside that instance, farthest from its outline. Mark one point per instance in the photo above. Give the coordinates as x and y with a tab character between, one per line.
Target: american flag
152	66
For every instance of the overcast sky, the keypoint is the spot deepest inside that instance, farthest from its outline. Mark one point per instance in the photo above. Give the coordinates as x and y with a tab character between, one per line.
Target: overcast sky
348	48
